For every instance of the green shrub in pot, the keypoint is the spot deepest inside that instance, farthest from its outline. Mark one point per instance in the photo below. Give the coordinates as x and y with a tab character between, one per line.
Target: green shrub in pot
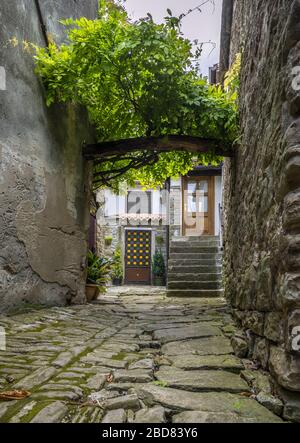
158	269
117	273
98	272
159	240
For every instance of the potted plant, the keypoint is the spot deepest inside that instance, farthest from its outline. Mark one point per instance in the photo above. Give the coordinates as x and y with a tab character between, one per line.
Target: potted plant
159	240
108	241
158	269
117	268
98	271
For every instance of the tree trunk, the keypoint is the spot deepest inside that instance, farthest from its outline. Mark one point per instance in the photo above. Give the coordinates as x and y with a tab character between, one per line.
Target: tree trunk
166	143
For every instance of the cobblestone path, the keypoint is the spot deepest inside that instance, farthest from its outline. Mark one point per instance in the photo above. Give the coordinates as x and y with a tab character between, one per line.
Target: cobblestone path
129	359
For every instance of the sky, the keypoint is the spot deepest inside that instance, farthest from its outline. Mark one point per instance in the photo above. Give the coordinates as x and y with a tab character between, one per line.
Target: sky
204	26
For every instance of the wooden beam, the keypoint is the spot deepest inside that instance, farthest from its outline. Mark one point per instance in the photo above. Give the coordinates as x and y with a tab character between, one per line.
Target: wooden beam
166	143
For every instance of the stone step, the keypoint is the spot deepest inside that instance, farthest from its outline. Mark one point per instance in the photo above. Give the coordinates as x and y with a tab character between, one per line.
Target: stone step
194	249
195	240
210	244
202	238
201	381
210	276
195	293
194	284
195	255
194	269
191	263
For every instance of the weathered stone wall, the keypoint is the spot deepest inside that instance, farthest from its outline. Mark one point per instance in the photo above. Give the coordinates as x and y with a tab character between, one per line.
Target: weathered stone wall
262	193
44	181
175	209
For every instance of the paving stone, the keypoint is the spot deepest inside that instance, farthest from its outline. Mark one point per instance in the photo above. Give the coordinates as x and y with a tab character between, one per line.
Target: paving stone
134	375
130	416
193	362
115	416
4	408
62	353
52	413
56	386
124	402
201	380
63	359
178	400
212	417
122	387
95	357
19	417
35	379
85	371
157	414
70	376
101	396
270	402
258	381
96	382
146	363
113	364
194	331
199	346
57	395
122	347
145	352
87	414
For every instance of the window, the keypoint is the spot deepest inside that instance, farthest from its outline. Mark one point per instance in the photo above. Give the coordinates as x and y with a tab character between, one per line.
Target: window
139	202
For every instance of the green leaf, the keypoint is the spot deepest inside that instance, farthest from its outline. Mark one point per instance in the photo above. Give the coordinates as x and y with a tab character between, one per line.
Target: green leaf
137	79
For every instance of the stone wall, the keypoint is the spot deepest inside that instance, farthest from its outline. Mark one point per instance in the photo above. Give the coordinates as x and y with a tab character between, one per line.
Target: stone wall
175	214
44	182
262	194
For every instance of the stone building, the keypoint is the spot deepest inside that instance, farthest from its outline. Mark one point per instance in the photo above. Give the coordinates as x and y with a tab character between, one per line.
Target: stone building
261	189
44	181
187	207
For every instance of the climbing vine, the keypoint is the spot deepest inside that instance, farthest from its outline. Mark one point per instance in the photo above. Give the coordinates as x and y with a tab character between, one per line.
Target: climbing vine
137	79
232	77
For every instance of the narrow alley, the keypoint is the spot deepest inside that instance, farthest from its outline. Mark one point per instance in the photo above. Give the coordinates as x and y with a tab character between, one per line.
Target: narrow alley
129	357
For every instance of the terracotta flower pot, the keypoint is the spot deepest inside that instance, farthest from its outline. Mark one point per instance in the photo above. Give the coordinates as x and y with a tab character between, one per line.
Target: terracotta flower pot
91	292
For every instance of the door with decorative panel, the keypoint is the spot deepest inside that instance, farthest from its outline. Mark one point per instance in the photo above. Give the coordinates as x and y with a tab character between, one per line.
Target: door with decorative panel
138	256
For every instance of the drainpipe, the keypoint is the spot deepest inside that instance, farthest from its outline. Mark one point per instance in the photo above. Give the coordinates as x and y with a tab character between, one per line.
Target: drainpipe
227	17
42	22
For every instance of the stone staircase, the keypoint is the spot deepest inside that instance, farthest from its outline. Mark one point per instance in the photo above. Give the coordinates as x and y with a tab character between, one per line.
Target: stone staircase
195	267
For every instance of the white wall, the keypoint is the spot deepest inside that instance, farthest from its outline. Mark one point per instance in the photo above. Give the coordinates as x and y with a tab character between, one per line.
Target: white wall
218	201
116	205
111	203
156	206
